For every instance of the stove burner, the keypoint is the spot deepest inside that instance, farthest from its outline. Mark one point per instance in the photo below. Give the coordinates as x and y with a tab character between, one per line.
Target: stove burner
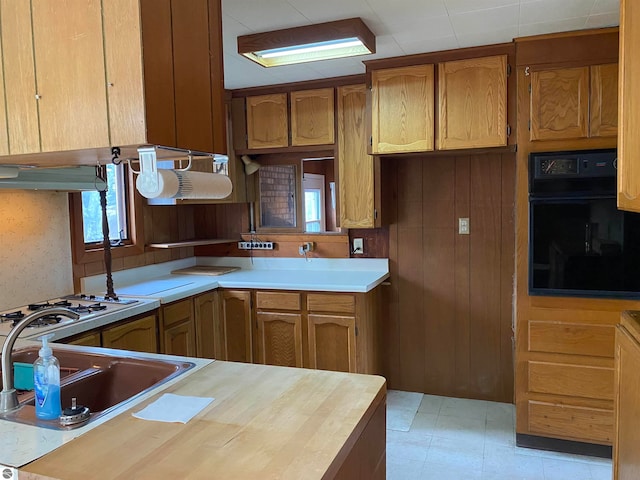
83	308
41	322
12	316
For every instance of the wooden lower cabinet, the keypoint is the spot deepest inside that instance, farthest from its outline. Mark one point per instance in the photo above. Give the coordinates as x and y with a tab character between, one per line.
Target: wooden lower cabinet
332	343
236	326
138	335
90	339
327	331
626	454
279	338
178	330
206	318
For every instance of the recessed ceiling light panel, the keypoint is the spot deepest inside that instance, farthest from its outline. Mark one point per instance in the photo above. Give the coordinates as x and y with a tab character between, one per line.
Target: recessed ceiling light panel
323	41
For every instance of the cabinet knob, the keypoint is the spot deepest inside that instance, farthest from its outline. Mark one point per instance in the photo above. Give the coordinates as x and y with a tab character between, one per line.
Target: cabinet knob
110	84
38	97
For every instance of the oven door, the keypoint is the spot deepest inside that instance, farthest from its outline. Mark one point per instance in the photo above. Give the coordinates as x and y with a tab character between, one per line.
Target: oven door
583	246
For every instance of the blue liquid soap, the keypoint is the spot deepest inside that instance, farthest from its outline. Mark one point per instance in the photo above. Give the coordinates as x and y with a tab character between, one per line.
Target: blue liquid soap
46	382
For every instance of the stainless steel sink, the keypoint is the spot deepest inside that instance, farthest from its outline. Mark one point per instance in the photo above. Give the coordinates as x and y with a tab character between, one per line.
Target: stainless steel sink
97	380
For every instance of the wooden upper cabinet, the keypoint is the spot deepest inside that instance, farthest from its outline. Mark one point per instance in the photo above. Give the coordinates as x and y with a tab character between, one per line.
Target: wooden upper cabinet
312	116
628	101
603	101
267	121
70	74
23	130
402	109
355	166
89	74
472	103
560	104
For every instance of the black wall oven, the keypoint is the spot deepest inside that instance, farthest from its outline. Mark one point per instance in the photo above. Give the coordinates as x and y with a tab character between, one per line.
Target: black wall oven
580	244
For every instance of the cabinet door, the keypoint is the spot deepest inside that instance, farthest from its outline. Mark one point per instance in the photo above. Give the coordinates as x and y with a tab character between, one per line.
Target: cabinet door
402	109
312	117
628	138
123	62
178	329
236	326
70	72
355	166
91	339
472	103
19	77
560	104
267	123
332	342
137	335
207	324
603	103
279	338
626	456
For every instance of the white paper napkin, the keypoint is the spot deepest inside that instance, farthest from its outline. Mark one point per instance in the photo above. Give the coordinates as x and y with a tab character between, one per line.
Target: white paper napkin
173	408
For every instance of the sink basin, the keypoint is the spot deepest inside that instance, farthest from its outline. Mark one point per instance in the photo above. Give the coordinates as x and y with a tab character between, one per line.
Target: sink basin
97	380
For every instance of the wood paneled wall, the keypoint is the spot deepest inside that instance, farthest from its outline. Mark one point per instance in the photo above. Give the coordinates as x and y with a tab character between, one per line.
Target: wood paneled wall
448	309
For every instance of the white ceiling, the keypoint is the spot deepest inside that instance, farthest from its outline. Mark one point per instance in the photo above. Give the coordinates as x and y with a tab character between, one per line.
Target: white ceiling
402	27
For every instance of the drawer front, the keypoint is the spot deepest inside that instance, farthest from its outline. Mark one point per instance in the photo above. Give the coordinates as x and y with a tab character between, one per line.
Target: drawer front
328	302
577	423
177	312
571	338
278	301
571	380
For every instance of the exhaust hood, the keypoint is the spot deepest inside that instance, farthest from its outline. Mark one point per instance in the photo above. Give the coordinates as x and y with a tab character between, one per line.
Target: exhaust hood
66	179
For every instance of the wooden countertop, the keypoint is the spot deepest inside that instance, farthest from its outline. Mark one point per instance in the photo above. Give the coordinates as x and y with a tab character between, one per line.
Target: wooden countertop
265	422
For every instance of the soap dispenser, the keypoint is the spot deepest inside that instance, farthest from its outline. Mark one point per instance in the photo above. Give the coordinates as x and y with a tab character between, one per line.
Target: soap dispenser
46	381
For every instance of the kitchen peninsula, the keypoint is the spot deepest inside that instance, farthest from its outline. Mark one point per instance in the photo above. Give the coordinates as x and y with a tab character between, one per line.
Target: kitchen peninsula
265	422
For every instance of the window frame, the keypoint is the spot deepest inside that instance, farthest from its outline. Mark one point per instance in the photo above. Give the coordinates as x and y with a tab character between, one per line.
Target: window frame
94	252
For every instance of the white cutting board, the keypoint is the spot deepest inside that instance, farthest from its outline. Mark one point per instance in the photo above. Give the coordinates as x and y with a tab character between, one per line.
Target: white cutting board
152	287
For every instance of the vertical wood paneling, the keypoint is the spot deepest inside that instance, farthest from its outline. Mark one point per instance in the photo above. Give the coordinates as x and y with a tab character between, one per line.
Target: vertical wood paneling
410	263
462	318
448	309
484	271
438	281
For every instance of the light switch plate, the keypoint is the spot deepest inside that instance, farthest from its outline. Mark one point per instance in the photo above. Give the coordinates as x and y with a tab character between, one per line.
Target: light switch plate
463	226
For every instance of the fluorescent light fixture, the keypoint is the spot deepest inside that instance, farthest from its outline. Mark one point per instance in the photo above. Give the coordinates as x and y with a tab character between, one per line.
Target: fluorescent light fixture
323	41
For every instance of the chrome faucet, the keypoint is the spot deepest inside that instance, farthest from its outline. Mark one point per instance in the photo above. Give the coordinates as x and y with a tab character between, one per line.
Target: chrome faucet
9	396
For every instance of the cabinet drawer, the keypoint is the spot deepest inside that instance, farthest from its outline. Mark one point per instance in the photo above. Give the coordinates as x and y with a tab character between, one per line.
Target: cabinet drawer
579	423
327	302
571	380
278	300
571	338
177	312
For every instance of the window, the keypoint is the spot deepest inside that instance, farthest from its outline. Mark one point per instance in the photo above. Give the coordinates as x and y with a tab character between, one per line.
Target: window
314	211
116	209
124	213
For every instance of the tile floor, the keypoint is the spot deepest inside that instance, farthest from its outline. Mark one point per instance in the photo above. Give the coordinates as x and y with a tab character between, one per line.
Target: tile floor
441	438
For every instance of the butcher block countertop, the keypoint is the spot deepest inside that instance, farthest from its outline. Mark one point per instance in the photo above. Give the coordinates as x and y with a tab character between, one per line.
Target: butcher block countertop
265	423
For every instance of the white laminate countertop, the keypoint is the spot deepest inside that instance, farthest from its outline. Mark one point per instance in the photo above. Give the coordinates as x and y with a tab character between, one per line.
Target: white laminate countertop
21	444
330	275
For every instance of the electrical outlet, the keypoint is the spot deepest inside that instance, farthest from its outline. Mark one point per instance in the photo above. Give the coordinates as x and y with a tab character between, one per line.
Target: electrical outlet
463	226
255	245
358	246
